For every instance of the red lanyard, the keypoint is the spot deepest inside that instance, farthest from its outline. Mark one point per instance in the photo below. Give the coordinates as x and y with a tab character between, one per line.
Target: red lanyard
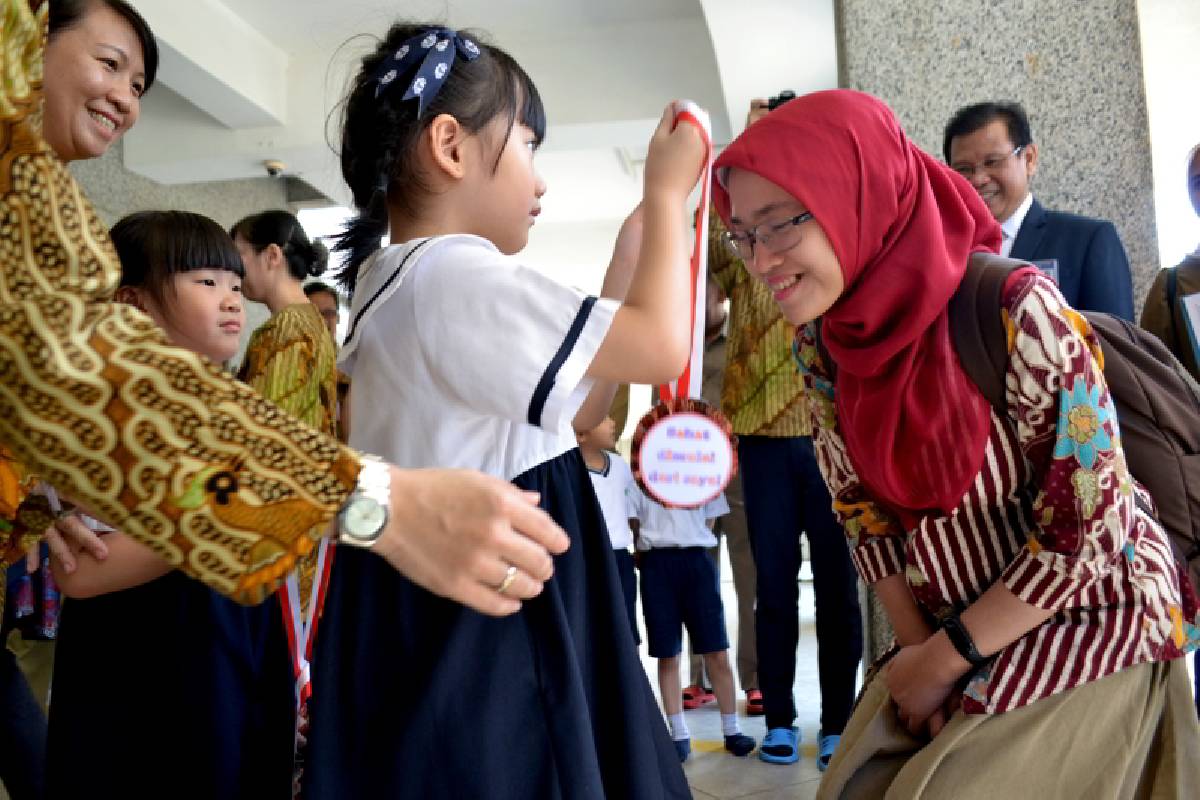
302	632
689	384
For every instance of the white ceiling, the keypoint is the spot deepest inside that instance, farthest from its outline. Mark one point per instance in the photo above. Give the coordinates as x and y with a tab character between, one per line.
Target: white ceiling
243	81
296	24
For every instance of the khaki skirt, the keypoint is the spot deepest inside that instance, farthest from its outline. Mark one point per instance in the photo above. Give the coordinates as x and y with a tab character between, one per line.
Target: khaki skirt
1129	735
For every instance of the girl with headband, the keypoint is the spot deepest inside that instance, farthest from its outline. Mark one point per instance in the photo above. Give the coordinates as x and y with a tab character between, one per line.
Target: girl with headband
459	356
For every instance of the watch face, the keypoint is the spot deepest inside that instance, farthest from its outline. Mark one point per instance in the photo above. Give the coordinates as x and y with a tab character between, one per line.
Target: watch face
364	518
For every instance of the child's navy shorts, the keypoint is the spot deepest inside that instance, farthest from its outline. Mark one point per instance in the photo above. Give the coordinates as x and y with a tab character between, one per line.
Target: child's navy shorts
679	588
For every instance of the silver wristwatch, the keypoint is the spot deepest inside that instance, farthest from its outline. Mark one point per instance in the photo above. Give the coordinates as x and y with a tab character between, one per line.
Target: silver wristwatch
364	515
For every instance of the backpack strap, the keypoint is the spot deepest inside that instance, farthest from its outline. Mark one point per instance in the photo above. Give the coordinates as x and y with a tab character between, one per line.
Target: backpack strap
1172	295
977	329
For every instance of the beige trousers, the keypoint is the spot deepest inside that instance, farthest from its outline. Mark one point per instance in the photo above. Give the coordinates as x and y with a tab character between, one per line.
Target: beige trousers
1130	735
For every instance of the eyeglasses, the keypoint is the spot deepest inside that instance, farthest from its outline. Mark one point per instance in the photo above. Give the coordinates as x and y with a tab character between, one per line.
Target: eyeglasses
779	237
990	164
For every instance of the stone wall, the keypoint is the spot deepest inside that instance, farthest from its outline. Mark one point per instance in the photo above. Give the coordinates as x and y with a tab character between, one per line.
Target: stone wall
1076	67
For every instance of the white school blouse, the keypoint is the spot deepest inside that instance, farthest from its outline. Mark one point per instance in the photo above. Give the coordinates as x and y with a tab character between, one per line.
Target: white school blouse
674	527
461	357
612	485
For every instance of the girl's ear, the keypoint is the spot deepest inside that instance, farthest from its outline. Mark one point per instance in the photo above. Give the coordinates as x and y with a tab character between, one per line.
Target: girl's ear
444	138
130	296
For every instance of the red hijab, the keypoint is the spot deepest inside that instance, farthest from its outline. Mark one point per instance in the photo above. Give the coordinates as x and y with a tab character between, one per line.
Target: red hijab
902	225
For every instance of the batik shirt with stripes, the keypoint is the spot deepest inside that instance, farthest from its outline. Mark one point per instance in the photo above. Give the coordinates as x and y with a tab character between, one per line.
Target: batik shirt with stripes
1052	514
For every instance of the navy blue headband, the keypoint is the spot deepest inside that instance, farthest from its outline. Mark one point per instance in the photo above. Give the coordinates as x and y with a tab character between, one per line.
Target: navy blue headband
433	49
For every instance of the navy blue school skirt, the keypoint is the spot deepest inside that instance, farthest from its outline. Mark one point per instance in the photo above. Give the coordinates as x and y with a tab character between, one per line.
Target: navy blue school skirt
417	696
170	690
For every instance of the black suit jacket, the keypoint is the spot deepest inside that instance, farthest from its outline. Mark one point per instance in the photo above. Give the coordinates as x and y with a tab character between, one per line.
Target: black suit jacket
1093	270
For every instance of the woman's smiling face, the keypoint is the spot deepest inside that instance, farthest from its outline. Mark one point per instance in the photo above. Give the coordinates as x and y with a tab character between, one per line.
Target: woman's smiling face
94	79
806	277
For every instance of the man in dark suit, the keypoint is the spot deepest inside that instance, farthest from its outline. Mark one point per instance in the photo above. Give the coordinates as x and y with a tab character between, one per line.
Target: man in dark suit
990	145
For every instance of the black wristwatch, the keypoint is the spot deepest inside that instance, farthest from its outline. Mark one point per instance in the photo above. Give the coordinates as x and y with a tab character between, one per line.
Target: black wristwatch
961	639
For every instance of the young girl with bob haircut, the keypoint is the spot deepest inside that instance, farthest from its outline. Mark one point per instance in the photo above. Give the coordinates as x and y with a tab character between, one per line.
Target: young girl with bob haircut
1033	598
461	357
151	663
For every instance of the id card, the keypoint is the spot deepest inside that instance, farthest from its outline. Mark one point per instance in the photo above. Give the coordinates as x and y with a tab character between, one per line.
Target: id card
1049	268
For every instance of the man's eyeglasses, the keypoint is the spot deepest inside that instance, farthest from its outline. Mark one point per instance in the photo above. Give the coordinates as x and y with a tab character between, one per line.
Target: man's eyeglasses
778	237
991	164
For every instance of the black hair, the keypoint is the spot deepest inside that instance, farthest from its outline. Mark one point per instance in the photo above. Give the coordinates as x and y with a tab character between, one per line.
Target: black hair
317	287
154	246
305	258
66	14
380	134
969	119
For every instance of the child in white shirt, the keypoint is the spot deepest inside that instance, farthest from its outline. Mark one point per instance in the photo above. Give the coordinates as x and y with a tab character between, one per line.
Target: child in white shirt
680	589
612	479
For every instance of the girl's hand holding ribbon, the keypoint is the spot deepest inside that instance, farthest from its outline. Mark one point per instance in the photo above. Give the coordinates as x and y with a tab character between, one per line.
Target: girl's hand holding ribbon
676	156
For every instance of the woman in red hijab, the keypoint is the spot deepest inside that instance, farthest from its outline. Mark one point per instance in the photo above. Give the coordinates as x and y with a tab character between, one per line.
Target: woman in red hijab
1032	599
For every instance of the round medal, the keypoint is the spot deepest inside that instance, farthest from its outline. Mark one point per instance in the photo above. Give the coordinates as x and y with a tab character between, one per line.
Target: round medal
684	453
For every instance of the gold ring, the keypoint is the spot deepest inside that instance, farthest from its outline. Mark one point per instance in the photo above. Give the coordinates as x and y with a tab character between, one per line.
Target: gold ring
510	575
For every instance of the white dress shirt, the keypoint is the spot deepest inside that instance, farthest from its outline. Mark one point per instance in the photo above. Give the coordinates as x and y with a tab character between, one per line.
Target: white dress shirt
1011	226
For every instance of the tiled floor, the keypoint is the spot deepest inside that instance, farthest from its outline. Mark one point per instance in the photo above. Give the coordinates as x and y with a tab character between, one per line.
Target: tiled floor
713	773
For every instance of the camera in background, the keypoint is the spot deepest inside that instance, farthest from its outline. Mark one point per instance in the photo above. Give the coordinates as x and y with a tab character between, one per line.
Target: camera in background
779	99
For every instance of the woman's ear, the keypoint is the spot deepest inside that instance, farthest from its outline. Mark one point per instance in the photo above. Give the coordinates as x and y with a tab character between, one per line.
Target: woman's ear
444	140
130	296
273	255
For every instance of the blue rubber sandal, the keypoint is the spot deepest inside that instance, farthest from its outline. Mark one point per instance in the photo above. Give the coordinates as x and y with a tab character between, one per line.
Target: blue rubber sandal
781	746
826	745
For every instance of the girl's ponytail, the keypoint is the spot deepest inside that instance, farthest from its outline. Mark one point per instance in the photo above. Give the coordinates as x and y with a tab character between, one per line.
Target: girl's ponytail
361	237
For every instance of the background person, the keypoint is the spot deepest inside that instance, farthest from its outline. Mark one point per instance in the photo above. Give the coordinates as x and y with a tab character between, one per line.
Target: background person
990	144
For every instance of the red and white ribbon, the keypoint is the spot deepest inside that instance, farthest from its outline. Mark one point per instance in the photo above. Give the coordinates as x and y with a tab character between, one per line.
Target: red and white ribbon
689	384
302	629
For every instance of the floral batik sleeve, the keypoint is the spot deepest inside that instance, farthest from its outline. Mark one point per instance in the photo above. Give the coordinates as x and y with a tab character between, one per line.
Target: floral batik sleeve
1088	527
724	268
876	536
152	438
